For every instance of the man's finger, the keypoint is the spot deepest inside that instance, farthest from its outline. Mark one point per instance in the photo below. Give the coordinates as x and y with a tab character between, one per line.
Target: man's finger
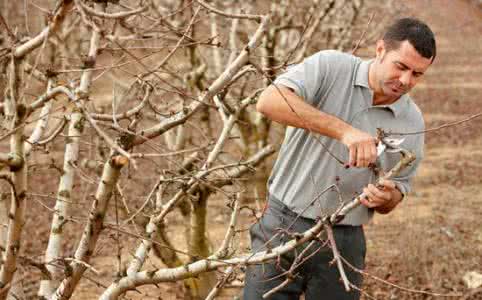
360	157
388	183
366	202
376	192
368	154
373	152
377	195
353	151
372	200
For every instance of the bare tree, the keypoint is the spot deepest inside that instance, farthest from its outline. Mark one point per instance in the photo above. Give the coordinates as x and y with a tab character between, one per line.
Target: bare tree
150	107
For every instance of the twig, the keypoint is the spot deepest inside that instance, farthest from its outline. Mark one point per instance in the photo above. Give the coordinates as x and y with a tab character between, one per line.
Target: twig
94	270
256	18
169	55
436	128
127	114
8	179
407	158
148	198
290	275
278	288
301	259
357	45
395	285
223	251
55	132
173	153
224	279
213	89
119	15
9	31
336	257
106	137
144	238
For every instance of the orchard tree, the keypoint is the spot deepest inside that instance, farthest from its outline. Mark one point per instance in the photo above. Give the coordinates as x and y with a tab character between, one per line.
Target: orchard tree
121	118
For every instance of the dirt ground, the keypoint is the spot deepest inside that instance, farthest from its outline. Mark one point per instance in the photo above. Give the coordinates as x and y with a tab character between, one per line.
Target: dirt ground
435	236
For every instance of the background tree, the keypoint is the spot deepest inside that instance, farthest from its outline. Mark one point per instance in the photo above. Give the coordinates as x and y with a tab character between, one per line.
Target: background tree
131	127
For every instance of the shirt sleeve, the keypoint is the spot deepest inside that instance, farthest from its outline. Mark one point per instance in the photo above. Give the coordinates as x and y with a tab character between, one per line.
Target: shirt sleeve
306	78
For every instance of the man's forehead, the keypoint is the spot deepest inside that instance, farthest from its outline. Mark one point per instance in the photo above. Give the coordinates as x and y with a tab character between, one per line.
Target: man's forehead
407	55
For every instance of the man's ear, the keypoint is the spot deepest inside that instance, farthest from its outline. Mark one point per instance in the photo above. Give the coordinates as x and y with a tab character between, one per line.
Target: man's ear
380	49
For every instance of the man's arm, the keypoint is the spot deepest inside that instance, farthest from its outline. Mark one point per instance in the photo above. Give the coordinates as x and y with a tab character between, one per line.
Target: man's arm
273	103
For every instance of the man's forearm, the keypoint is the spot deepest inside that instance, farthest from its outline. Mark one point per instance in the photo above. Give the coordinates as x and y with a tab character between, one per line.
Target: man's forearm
282	105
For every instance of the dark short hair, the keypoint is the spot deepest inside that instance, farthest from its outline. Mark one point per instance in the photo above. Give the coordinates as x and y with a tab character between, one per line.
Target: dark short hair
416	32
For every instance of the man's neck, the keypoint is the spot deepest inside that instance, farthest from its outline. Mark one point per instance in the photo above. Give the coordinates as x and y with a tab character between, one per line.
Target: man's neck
380	99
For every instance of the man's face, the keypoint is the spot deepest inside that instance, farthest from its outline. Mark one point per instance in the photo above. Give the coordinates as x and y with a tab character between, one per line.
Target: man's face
398	70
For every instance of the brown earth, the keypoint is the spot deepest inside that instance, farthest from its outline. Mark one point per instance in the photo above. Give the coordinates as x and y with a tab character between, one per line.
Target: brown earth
435	236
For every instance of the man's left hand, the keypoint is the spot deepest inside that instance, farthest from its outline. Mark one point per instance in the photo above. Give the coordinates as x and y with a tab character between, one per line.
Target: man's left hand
383	198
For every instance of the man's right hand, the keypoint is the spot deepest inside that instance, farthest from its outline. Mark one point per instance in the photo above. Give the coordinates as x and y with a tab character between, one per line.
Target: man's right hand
362	147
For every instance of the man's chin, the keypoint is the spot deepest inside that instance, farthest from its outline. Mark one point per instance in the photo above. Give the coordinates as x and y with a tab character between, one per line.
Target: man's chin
395	92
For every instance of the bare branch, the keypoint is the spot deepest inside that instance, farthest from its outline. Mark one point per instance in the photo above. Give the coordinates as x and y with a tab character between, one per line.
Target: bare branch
213	89
11	159
407	158
58	16
438	127
62	204
224	251
54	132
127	114
336	257
119	15
257	18
224	279
41	124
7	28
15	116
92	229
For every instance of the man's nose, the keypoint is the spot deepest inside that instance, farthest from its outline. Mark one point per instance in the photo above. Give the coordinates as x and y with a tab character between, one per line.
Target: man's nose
406	78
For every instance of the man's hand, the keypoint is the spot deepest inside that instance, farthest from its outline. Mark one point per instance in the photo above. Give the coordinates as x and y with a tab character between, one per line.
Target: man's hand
384	198
362	147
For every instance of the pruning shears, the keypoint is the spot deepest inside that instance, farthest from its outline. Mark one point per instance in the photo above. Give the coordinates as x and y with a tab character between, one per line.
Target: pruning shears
389	145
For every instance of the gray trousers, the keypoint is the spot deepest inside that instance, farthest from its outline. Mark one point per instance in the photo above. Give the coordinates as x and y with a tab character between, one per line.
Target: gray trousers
318	277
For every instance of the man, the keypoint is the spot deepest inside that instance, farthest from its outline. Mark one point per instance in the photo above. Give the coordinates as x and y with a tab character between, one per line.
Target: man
333	104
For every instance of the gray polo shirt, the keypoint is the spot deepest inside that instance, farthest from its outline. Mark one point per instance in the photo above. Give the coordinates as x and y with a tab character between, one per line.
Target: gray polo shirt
337	83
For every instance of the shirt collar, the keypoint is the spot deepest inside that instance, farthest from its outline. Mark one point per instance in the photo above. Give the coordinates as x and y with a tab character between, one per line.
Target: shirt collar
361	79
400	106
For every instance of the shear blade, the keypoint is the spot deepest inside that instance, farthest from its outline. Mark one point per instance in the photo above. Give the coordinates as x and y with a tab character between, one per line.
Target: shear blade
380	148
